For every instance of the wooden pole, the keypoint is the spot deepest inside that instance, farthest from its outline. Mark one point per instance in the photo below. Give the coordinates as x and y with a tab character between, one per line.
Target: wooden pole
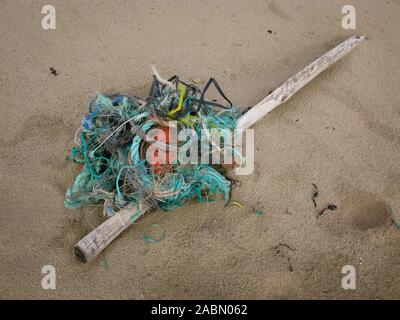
98	239
295	83
93	243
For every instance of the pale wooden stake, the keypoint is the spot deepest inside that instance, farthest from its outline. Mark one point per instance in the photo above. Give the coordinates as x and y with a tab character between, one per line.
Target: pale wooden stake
295	83
93	243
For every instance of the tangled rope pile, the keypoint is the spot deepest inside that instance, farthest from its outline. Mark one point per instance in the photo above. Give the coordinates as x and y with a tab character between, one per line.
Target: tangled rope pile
111	144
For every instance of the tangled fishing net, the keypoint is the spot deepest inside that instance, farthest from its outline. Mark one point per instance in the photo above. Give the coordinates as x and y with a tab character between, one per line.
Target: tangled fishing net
112	142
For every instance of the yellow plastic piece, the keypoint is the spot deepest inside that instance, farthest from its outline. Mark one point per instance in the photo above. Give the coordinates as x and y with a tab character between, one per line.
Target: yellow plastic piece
182	90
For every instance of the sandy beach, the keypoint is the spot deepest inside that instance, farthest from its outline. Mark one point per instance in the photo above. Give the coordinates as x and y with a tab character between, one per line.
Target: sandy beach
341	133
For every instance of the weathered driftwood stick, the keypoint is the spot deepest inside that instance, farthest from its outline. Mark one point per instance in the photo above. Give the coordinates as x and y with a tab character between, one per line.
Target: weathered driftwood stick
93	243
295	83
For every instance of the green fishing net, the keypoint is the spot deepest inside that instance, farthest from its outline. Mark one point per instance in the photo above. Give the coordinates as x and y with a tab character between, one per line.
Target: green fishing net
111	149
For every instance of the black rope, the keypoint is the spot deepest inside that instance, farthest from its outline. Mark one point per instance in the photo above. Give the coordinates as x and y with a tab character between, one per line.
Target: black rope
215	104
157	88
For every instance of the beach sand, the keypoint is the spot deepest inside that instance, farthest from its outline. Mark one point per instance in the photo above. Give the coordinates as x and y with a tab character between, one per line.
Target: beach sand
341	133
